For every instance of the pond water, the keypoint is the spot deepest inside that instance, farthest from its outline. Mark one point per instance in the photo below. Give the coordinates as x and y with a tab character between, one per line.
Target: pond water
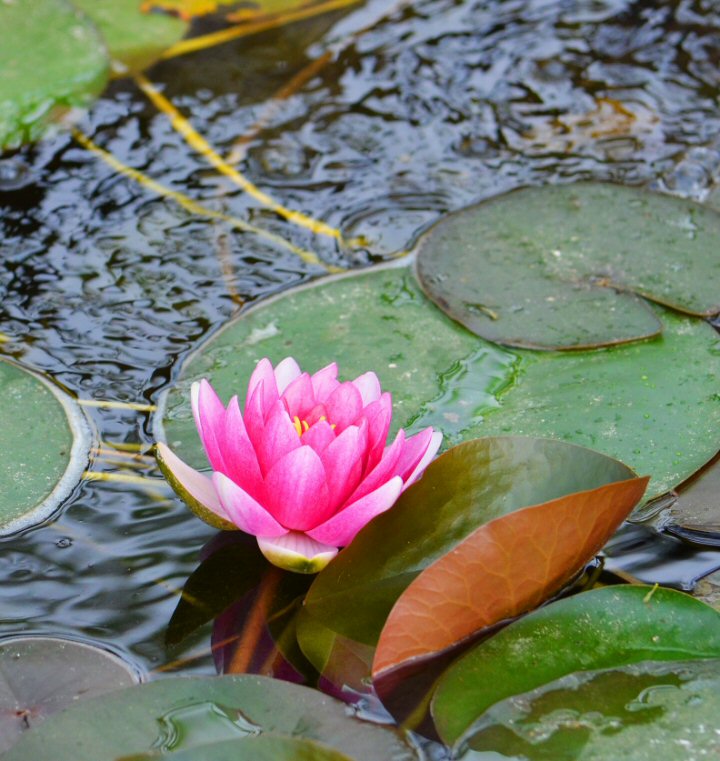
417	110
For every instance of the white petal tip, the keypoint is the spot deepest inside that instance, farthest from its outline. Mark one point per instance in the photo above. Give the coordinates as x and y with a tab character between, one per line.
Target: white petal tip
296	552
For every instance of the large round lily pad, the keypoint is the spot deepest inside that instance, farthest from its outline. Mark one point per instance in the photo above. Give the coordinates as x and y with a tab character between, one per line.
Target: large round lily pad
44	442
653	405
179	713
134	38
558	267
52	58
42	675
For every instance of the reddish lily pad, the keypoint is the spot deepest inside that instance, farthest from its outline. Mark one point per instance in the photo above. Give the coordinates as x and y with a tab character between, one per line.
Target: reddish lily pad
605	628
558	267
40	676
504	568
492	477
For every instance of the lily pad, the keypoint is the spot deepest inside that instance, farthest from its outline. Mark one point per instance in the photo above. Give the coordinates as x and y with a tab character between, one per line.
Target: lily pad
437	372
42	675
134	39
44	442
605	628
262	748
52	59
653	405
558	267
178	714
491	478
651	711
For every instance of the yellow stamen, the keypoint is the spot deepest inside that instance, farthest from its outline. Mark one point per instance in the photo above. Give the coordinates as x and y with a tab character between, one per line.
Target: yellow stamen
298	425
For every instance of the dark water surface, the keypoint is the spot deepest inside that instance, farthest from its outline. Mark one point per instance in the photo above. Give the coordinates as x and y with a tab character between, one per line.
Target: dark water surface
107	287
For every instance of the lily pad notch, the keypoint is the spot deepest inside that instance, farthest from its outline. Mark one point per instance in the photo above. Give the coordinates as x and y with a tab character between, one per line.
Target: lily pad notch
569	266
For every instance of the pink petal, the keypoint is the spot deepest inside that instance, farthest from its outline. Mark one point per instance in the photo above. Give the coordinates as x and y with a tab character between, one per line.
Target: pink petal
318	436
368	385
343	461
325	382
247	514
386	469
209	414
344	406
197	485
278	438
238	452
379	415
286	372
341	529
299	397
317	413
263	377
296	492
430	452
297	552
255	416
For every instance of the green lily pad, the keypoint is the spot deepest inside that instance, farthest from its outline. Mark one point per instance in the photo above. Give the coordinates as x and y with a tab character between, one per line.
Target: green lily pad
52	59
647	712
178	714
491	478
653	405
695	514
605	628
558	267
438	373
42	675
44	442
262	748
134	39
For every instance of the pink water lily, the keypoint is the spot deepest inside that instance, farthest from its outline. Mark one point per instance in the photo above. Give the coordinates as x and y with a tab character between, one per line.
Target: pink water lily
304	467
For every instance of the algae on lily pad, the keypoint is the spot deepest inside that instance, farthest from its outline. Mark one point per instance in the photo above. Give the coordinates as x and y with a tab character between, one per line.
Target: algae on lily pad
559	267
52	59
44	443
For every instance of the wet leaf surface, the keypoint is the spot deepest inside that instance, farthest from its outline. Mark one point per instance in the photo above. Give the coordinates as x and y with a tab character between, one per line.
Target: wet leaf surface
52	59
44	443
650	711
491	478
40	676
695	514
504	568
183	713
554	267
609	627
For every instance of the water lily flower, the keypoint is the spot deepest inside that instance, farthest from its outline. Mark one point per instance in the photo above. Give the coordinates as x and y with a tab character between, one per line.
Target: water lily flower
304	467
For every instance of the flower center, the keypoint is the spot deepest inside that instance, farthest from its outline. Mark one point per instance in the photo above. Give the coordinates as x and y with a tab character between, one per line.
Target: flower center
302	425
